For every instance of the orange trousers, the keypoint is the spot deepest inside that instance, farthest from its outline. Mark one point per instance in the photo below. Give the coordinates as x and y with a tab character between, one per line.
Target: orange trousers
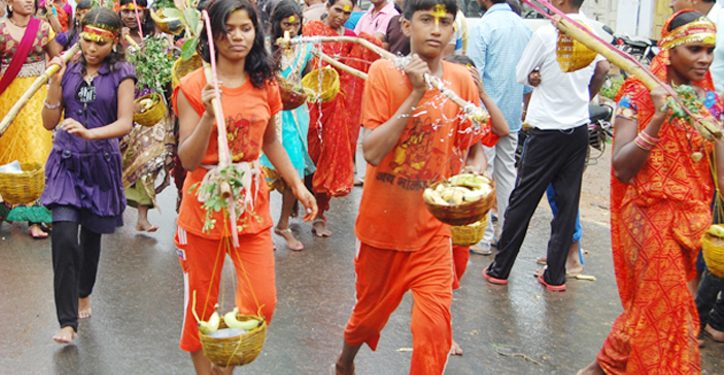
383	277
461	256
202	260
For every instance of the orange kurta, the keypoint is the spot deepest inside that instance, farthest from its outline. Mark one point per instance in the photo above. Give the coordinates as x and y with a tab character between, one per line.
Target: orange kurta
656	225
248	111
334	126
403	248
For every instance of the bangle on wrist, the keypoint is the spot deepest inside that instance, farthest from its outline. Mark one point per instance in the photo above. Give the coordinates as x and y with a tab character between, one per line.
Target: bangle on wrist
52	106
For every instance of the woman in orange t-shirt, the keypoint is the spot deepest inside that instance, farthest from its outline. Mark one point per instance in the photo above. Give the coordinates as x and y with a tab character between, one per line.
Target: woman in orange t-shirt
250	100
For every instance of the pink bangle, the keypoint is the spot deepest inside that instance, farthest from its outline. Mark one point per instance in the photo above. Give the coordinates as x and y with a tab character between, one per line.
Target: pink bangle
642	144
648	138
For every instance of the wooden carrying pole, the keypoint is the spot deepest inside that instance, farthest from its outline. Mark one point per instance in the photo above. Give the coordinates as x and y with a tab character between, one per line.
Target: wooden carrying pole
473	111
709	130
37	84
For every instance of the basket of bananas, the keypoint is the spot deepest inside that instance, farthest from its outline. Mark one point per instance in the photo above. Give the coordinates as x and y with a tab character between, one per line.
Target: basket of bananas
469	235
322	84
712	246
461	200
234	340
150	110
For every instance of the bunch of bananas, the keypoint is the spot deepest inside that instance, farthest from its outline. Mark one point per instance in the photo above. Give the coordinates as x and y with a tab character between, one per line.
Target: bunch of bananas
211	326
459	189
145	104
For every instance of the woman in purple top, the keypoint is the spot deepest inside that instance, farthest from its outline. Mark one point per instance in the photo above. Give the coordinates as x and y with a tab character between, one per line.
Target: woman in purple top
83	173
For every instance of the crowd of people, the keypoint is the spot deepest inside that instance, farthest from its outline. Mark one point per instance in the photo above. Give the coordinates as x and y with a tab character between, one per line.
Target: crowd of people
97	160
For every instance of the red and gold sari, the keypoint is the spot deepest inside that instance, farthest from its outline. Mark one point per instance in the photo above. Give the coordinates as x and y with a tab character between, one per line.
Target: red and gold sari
656	226
334	126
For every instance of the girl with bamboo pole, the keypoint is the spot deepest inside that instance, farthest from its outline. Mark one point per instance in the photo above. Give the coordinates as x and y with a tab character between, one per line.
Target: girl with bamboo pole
335	125
90	106
250	101
25	43
661	192
292	64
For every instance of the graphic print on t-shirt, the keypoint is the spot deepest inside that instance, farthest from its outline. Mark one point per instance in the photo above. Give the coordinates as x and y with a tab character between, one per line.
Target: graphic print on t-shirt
241	143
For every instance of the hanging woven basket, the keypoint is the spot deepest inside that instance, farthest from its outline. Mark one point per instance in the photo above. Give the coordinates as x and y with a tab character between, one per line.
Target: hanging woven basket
152	109
24	187
235	350
469	235
292	96
183	67
571	54
322	85
713	251
462	214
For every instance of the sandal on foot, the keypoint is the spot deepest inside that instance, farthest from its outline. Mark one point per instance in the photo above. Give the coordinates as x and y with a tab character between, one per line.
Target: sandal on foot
492	279
550	287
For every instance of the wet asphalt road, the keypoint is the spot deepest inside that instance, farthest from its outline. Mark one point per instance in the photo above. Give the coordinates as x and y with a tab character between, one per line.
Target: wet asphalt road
137	307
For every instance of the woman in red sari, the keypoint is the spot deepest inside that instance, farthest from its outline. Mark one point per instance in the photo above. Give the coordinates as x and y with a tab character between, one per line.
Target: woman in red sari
334	126
661	193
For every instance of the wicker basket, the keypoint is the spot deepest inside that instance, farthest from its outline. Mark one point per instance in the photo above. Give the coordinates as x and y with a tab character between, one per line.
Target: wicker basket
292	97
713	251
469	235
183	67
238	350
153	115
572	55
322	84
25	187
465	213
171	26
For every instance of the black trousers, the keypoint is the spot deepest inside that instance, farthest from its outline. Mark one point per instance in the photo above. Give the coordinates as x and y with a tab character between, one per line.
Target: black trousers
75	265
710	301
549	156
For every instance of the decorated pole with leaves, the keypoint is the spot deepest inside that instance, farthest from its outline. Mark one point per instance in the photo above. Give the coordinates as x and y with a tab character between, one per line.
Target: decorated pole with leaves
37	84
626	62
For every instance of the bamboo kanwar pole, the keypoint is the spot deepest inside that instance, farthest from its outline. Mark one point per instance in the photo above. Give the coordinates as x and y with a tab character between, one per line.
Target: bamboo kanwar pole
37	84
473	111
331	61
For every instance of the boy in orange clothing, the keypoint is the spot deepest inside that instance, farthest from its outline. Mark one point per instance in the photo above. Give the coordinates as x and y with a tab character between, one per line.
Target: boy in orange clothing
414	137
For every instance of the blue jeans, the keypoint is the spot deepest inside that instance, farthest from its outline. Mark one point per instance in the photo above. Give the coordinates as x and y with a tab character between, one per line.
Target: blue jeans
578	233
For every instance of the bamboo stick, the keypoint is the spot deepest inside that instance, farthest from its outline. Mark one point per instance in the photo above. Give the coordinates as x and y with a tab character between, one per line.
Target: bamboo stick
133	43
39	82
624	61
326	58
471	110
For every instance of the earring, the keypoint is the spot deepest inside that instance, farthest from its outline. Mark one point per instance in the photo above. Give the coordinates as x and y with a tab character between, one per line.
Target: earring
115	48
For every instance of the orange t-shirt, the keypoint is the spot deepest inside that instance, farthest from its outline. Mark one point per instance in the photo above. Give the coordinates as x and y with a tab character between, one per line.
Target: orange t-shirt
247	111
432	147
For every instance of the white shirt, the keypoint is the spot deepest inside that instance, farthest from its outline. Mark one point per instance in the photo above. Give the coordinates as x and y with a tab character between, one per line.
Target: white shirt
561	100
716	15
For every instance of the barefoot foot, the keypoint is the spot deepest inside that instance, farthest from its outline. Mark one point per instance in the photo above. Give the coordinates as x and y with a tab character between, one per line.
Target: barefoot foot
319	228
37	232
592	369
456	349
84	308
714	334
292	242
145	226
66	335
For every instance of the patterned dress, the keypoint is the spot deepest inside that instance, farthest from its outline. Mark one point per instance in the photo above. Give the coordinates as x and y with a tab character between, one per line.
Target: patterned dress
657	222
25	140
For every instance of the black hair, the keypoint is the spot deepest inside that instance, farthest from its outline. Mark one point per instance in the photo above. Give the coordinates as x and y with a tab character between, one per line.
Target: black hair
412	6
460	59
75	29
9	9
110	21
515	6
258	64
147	26
577	3
332	2
684	19
283	10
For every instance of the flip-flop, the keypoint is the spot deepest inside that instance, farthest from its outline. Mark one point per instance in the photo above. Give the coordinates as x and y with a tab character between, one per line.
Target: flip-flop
550	287
492	279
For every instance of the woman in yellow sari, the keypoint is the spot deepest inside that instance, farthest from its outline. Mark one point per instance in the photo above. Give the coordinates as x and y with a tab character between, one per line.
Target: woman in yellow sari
25	41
